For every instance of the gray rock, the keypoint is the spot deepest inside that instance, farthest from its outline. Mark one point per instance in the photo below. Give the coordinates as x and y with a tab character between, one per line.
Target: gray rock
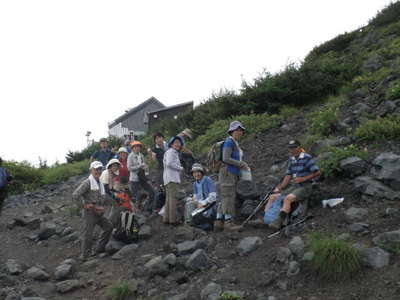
141	219
15	267
211	291
189	247
114	246
248	245
272	298
391	211
63	271
358	227
353	166
293	269
247	189
170	259
344	237
248	207
354	214
275	169
157	266
360	109
67	230
31	223
375	257
283	254
46	210
37	274
198	261
33	298
74	236
69	261
47	229
145	232
386	167
90	265
296	245
125	251
374	189
178	297
386	108
67	286
388	240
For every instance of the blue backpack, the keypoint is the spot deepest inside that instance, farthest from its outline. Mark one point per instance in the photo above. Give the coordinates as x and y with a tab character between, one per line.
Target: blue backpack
3	178
272	213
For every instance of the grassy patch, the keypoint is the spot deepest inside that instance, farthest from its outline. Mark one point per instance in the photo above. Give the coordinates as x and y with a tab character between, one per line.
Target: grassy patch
331	166
393	92
322	121
119	291
333	259
379	129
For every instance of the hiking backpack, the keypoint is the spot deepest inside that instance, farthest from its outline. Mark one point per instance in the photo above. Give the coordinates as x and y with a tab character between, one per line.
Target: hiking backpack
128	228
214	157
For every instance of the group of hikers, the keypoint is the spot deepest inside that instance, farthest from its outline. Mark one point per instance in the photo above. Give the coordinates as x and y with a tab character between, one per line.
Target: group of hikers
115	180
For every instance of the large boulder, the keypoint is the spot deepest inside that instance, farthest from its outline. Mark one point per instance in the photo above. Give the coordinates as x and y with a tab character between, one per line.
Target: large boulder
247	189
388	240
386	167
211	291
353	166
15	267
354	214
47	229
114	246
67	286
372	188
37	274
189	247
375	257
198	261
296	246
248	245
125	251
248	207
63	271
157	266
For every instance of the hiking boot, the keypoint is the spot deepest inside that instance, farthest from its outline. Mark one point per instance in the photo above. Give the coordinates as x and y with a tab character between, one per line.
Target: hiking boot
277	224
230	226
257	223
218	225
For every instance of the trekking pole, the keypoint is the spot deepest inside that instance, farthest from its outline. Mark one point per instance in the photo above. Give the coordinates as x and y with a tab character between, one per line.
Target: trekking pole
261	204
290	226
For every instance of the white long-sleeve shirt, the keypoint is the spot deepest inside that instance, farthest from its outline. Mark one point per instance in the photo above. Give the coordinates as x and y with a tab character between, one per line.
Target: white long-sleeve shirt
172	166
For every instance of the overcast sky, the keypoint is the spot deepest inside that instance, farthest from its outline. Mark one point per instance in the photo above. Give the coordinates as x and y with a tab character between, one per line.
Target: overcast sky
67	67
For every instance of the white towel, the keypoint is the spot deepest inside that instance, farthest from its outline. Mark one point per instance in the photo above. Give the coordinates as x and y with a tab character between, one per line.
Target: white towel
95	185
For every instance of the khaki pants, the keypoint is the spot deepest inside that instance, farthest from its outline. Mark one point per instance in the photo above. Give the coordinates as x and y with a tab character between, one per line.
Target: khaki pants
228	183
171	200
90	220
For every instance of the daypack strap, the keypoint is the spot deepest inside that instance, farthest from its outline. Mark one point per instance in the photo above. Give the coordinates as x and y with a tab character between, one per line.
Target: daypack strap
129	222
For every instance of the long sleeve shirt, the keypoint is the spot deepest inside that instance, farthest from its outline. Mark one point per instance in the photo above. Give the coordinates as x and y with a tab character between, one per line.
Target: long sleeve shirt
135	162
84	195
172	166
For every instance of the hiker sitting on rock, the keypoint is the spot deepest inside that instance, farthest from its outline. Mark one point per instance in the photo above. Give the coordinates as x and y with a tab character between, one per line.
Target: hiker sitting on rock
300	173
204	192
92	196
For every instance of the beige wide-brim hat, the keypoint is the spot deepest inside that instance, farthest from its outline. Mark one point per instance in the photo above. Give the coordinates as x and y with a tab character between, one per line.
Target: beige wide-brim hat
187	132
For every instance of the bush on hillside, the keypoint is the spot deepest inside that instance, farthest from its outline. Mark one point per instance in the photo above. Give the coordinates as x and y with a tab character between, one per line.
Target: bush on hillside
334	259
322	122
388	15
218	130
339	43
379	129
119	291
393	92
330	166
27	178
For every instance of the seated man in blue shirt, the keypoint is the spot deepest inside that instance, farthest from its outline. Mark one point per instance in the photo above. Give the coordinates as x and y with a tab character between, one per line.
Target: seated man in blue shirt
300	174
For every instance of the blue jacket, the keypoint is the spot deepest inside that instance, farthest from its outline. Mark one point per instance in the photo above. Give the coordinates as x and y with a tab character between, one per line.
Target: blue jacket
229	143
208	190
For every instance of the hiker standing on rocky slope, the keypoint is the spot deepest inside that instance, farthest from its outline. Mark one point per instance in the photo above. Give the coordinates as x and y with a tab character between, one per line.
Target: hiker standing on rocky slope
232	158
172	179
137	178
123	159
104	154
92	196
157	153
5	179
300	173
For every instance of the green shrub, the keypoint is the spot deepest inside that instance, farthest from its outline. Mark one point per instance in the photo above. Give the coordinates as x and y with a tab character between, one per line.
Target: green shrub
228	296
64	171
338	43
387	15
393	92
218	130
119	291
322	121
368	78
379	129
330	166
334	259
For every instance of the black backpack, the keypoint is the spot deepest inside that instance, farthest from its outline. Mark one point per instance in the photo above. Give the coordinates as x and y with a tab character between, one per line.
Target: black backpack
127	230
